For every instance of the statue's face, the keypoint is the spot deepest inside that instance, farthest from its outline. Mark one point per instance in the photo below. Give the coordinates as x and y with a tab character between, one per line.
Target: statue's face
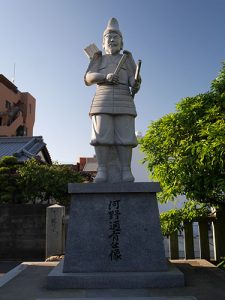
112	43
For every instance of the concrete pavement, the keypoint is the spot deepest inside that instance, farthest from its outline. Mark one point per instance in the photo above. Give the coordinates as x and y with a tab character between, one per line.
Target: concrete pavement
202	280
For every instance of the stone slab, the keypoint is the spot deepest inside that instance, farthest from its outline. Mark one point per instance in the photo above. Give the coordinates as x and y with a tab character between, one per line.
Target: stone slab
202	280
122	298
11	274
114	231
56	279
119	187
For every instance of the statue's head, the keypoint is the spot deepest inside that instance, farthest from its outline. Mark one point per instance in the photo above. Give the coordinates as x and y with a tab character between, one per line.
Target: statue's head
112	37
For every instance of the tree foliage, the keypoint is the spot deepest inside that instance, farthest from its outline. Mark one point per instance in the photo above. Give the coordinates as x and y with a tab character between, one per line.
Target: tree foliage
173	220
10	189
185	150
44	182
34	182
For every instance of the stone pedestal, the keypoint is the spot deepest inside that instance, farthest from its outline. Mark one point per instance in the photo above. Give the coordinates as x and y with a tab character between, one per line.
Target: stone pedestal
114	239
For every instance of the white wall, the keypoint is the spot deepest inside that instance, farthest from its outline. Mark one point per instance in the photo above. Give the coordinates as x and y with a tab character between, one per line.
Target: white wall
141	174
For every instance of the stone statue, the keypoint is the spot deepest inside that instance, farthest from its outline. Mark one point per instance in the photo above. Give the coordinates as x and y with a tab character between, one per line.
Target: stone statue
113	111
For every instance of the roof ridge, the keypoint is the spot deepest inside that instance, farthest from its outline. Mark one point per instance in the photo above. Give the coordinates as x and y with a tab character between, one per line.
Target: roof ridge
24	146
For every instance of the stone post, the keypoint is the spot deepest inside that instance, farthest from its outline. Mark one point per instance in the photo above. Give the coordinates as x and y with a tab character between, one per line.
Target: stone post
55	230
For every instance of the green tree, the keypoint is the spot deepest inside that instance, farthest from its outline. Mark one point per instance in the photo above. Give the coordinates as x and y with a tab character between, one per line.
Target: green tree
185	150
173	220
42	182
10	189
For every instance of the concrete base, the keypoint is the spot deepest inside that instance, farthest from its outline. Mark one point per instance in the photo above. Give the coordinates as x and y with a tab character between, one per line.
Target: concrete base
114	240
111	280
203	280
130	298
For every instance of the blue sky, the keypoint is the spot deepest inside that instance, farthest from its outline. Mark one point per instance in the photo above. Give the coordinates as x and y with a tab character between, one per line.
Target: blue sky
181	44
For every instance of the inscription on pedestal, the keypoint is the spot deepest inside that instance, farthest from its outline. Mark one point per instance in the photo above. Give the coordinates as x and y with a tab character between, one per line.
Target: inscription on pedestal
114	229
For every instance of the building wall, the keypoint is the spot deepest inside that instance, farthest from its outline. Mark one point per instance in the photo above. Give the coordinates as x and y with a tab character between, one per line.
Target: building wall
22	231
17	110
7	94
28	112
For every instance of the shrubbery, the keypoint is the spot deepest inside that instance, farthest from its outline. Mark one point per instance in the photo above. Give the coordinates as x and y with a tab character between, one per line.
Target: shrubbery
32	182
172	220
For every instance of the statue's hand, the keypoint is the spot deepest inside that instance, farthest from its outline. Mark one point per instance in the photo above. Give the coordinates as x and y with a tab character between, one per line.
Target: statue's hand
97	55
136	87
112	78
127	52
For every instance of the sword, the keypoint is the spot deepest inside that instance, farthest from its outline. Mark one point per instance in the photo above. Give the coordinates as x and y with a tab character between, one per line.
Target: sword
136	76
120	64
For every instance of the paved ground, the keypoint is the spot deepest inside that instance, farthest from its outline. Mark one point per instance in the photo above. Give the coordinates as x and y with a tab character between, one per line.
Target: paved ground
203	280
6	266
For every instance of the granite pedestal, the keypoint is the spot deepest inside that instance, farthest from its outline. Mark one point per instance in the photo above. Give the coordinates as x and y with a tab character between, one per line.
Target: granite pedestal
114	239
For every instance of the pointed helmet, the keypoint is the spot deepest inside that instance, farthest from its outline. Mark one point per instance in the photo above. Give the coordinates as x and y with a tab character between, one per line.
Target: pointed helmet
112	26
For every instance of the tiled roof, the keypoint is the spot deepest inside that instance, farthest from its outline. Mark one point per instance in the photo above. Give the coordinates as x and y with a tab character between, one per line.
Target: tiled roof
23	147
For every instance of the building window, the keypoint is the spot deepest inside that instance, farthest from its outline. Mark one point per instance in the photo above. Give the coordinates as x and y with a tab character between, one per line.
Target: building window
0	121
21	131
30	108
7	104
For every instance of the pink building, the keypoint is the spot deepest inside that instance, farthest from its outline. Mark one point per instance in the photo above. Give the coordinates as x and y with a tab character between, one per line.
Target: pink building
17	110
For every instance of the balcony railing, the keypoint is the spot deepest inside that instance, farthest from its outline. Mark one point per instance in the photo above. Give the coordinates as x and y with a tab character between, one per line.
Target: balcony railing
11	128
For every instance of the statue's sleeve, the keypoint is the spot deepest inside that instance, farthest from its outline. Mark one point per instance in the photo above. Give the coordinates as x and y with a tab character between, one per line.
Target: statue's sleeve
93	67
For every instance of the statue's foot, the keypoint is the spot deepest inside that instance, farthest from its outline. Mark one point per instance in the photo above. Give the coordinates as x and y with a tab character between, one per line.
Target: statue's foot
101	175
127	175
